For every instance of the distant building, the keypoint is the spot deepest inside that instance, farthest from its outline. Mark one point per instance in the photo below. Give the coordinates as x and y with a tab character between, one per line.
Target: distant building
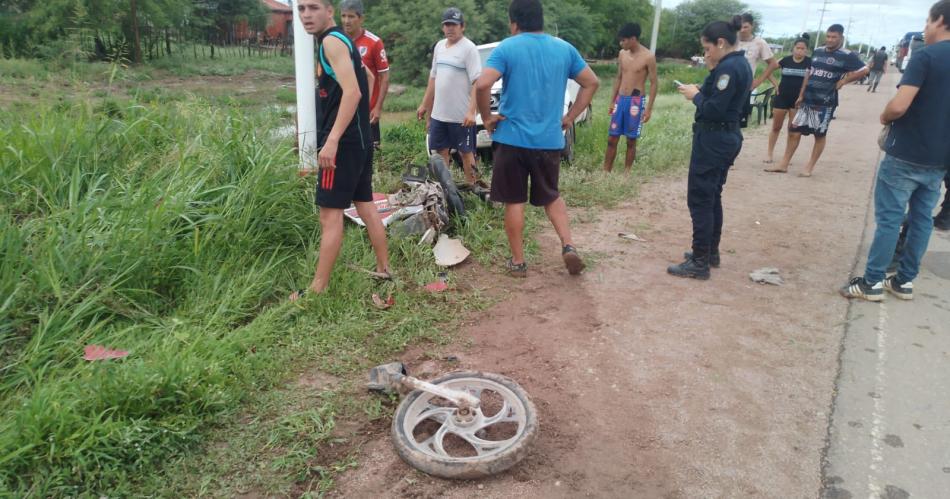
281	21
279	25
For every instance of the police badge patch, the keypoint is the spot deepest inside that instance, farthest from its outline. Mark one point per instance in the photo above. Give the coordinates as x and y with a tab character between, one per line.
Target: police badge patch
723	82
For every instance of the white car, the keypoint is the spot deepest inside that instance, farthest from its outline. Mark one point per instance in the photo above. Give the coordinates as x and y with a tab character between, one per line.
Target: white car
484	141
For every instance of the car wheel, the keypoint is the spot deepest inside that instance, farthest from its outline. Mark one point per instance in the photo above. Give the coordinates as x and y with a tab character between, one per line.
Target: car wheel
567	154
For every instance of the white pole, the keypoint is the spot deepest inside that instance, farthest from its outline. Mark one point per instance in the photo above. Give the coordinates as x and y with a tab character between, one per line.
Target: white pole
306	94
805	21
658	9
824	8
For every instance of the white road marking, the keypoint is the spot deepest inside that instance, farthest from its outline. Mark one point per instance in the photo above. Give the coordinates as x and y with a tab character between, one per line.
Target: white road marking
877	418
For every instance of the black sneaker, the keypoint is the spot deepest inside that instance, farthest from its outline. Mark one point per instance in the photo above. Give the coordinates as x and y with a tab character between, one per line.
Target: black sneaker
902	290
713	258
859	288
572	260
942	220
695	268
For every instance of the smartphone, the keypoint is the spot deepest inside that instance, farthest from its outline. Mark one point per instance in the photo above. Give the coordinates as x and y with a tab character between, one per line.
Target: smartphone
678	83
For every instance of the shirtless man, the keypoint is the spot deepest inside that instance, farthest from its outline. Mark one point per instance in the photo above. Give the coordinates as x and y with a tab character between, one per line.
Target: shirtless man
627	114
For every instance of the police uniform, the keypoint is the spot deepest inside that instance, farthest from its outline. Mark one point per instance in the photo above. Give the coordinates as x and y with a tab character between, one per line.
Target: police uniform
716	143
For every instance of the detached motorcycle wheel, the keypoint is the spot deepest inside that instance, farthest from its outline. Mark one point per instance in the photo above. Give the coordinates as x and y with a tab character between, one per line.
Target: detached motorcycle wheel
432	435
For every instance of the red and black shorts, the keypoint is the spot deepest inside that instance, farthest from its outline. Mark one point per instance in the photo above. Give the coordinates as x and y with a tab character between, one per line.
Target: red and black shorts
351	180
513	166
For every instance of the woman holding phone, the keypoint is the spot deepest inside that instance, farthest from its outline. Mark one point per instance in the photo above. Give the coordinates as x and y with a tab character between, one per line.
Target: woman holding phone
716	141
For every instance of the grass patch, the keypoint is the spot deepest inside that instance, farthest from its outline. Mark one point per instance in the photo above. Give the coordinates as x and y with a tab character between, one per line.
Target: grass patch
408	100
174	231
174	226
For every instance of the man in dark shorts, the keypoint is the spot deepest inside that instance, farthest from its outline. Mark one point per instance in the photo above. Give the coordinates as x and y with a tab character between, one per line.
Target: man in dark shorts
450	93
528	131
832	67
343	139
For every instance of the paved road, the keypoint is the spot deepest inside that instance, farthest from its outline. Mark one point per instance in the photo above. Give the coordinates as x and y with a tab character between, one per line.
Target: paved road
890	425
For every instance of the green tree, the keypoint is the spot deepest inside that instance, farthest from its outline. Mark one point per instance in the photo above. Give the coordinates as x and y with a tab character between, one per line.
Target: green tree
689	19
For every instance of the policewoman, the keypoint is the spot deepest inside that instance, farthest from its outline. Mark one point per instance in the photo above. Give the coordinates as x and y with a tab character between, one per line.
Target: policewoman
716	141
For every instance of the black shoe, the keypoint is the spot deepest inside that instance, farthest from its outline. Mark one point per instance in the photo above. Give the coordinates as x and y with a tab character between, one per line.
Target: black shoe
696	268
713	258
859	288
942	220
902	290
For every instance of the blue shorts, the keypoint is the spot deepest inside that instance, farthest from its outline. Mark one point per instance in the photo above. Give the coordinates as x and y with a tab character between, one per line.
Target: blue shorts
444	135
626	118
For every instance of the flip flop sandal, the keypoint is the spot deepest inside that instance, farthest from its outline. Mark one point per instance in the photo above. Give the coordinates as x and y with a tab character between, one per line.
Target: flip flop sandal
517	270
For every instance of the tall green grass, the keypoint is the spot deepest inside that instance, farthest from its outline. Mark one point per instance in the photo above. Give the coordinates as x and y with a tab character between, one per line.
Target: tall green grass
174	231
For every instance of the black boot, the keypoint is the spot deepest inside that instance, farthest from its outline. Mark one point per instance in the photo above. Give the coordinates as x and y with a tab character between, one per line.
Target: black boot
713	258
942	220
696	266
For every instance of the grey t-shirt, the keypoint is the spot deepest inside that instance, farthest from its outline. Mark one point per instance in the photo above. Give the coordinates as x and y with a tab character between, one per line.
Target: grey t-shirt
454	68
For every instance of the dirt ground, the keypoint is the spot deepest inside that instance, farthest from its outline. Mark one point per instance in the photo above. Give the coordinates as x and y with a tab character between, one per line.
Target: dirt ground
653	386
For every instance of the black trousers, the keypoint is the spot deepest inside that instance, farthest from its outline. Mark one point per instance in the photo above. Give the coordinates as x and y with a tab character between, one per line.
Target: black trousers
713	153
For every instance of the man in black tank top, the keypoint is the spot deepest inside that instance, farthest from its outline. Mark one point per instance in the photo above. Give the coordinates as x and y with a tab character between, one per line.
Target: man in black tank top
344	141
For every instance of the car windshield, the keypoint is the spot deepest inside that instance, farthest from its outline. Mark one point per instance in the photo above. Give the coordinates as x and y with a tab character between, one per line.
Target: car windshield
483	54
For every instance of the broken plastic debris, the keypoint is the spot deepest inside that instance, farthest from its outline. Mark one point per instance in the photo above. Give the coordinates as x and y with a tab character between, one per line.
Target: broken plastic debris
449	252
96	352
631	237
383	304
767	275
436	286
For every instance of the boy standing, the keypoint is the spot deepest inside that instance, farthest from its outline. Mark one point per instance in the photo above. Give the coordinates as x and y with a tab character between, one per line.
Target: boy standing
627	115
343	139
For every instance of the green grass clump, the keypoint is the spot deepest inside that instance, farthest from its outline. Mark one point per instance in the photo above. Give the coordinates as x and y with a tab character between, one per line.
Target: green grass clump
174	231
408	100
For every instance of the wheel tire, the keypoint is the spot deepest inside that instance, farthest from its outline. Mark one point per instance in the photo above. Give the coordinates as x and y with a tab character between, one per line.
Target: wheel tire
438	170
471	469
567	155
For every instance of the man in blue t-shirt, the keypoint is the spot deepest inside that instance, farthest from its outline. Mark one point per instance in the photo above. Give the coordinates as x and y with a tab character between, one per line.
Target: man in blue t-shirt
832	67
914	165
528	132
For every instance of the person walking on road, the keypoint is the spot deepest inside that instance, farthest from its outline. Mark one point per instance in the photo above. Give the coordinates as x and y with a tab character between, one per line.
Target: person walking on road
832	67
877	64
343	139
528	132
631	109
373	53
914	164
716	142
794	68
450	94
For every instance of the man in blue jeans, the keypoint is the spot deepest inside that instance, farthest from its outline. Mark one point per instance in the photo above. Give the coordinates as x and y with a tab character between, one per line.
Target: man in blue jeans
528	132
913	167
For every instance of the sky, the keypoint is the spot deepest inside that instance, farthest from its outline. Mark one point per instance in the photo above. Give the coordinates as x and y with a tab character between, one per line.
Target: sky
877	23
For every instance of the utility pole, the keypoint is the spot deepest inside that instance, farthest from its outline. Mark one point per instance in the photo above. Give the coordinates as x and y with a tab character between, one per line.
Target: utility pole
657	10
823	9
306	86
805	21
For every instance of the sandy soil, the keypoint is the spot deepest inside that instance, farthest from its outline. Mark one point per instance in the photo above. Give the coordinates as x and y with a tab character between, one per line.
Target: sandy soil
653	386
